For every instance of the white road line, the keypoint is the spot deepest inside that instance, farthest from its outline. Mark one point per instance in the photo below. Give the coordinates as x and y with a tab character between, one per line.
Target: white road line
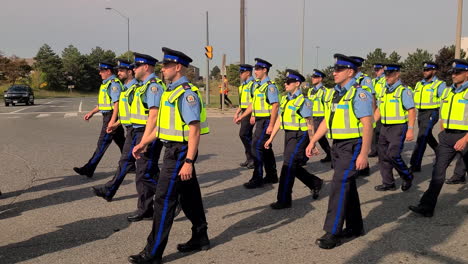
79	107
29	113
19	110
12	117
49	102
70	115
42	115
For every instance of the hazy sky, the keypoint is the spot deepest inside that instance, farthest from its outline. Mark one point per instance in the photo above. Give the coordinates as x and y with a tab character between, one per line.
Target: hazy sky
273	27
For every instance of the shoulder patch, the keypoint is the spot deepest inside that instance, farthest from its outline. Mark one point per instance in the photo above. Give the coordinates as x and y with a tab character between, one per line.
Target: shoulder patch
368	81
190	99
272	89
362	96
154	89
408	92
114	88
308	105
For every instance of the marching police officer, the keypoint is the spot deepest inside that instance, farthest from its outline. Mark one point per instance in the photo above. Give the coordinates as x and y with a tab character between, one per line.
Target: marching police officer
143	116
108	105
126	162
181	120
453	139
245	99
315	95
379	83
264	109
295	118
397	114
348	121
427	100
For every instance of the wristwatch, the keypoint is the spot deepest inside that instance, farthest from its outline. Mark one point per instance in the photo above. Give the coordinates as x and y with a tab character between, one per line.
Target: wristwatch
410	127
189	161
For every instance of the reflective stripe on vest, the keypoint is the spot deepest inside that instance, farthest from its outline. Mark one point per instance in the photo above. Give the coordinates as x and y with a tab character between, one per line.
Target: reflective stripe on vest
391	107
138	109
124	104
290	119
170	126
245	94
341	121
379	85
260	105
317	103
454	109
425	96
104	99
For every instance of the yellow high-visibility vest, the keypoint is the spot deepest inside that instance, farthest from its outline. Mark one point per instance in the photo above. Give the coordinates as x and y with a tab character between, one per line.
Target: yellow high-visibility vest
391	106
425	96
104	99
454	109
290	118
260	105
245	94
317	101
138	109
124	104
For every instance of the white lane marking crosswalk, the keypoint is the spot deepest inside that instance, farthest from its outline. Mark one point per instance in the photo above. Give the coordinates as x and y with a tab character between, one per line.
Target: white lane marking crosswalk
43	115
67	115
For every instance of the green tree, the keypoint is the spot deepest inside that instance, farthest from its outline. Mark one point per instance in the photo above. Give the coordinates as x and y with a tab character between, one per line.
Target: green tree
443	59
74	67
215	73
16	69
91	78
328	82
51	66
279	80
232	74
128	56
412	67
394	58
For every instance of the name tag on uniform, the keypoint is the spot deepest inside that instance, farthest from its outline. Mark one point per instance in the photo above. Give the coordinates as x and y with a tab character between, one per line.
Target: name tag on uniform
246	90
166	103
463	101
429	90
342	106
103	90
124	99
394	101
260	95
292	107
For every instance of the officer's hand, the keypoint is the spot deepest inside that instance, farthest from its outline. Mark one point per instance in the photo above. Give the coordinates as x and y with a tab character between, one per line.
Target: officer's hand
111	127
269	130
361	162
186	171
267	144
460	145
409	135
88	116
137	150
311	150
252	120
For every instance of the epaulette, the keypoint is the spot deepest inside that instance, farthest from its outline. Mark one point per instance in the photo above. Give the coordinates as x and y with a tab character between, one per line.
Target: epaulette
269	82
186	86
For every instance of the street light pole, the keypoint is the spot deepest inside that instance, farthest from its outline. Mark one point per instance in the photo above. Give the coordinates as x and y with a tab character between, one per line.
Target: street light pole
316	58
128	26
459	30
302	40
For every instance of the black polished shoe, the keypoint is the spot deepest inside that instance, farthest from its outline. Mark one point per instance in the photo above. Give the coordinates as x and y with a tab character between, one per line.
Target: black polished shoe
406	184
250	165
82	171
144	258
326	159
383	187
253	185
364	172
455	181
352	233
328	241
244	164
415	168
316	190
138	217
101	193
423	211
279	206
198	241
270	179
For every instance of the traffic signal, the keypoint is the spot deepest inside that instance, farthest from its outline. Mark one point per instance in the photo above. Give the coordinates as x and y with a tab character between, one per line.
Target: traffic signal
209	52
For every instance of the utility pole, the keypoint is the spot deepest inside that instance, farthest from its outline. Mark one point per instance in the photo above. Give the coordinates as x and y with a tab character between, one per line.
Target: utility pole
459	30
316	58
207	86
302	41
242	31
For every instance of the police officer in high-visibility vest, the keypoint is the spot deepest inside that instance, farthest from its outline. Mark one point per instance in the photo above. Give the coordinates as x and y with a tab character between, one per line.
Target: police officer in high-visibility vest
295	118
315	94
379	83
143	116
127	161
181	120
245	99
453	139
108	105
396	112
264	109
427	94
348	121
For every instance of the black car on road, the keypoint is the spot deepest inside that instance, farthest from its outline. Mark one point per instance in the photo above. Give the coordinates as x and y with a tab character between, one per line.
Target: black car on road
19	94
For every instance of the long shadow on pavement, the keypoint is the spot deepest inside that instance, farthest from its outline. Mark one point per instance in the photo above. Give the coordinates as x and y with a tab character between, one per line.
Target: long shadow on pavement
68	236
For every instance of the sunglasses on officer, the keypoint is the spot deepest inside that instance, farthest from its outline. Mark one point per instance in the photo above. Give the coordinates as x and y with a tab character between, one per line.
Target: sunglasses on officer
428	69
316	76
377	69
258	68
289	81
389	72
137	65
456	71
339	68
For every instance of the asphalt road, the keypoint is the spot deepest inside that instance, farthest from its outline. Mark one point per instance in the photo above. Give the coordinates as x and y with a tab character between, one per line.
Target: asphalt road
48	214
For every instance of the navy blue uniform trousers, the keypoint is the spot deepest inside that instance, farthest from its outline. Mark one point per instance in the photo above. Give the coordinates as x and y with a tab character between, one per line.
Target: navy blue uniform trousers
105	139
169	188
427	118
245	134
344	205
262	157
